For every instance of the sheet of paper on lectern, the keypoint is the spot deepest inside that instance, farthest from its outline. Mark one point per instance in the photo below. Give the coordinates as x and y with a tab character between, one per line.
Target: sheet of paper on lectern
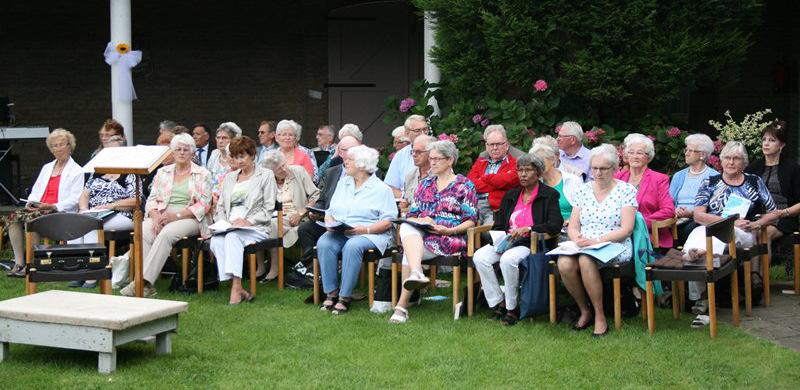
137	159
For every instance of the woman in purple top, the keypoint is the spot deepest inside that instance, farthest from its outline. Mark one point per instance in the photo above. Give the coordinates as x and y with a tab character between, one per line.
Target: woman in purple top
445	200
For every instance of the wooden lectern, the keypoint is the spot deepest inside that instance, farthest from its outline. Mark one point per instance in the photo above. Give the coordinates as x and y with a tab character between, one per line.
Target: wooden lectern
135	160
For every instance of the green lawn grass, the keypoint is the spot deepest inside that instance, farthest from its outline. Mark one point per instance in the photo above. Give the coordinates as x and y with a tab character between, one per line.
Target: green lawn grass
279	342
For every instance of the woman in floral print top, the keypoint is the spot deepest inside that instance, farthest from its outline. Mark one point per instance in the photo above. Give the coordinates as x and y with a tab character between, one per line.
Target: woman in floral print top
448	202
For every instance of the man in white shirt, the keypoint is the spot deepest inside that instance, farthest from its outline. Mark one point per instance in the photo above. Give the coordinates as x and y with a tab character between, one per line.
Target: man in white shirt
403	162
201	137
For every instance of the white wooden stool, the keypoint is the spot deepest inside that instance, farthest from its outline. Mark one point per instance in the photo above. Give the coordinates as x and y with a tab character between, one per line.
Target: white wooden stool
88	322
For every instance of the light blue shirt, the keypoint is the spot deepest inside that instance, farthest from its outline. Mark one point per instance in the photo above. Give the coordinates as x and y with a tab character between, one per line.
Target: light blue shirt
371	203
401	165
579	162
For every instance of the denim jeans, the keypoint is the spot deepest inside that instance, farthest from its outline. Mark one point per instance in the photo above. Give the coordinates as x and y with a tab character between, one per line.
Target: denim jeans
352	248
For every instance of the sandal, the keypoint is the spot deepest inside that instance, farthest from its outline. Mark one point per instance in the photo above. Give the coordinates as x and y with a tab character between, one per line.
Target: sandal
399	318
499	312
16	272
342	306
700	321
328	303
511	318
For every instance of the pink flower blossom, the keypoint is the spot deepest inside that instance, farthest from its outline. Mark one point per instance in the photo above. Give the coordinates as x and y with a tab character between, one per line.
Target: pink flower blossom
651	137
713	160
540	85
592	136
673	132
600	131
477	118
406	104
448	137
485	122
717	145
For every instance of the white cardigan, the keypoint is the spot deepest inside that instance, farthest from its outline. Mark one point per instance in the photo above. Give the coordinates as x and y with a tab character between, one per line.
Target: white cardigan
69	188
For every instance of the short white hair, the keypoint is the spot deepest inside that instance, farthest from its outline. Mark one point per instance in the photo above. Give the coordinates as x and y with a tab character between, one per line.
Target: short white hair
351	130
289	124
572	128
272	159
607	152
231	128
364	158
703	143
545	147
182	139
734	147
400	132
637	138
411	118
495	129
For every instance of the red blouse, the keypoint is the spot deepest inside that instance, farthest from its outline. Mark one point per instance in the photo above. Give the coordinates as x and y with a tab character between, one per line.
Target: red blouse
51	191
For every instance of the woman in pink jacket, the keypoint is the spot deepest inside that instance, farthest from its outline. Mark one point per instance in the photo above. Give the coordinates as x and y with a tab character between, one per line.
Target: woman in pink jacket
655	202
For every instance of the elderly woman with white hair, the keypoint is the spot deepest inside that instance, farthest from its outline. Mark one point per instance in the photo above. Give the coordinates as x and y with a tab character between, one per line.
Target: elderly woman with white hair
287	134
712	198
604	211
565	183
365	203
399	140
446	200
219	161
57	188
655	201
178	206
351	130
296	191
685	183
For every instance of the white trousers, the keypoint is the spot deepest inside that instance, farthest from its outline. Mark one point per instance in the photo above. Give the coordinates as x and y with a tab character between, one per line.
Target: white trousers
117	222
697	240
485	258
156	248
408	230
228	250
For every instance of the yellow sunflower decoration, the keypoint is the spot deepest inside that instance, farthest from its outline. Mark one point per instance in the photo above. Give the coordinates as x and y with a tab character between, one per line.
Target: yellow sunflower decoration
123	48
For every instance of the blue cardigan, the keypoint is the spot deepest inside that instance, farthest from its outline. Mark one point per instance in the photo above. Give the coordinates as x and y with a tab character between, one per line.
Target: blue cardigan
679	177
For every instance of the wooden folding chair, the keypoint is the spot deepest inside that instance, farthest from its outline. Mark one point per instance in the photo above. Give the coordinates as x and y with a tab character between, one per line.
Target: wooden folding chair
671	223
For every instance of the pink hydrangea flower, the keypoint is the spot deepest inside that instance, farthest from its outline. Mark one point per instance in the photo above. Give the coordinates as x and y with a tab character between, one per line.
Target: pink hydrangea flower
600	131
592	136
485	122
715	163
406	104
477	118
651	137
673	132
717	145
448	137
540	85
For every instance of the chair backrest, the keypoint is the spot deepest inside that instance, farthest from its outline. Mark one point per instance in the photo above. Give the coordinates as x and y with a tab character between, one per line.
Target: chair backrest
64	226
723	229
321	156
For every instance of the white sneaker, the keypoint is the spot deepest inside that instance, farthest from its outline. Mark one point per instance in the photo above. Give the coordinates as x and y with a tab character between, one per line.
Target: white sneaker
701	321
380	307
130	290
416	281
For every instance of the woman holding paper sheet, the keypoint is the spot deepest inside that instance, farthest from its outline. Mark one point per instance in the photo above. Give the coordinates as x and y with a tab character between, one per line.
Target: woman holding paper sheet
715	198
247	199
366	203
532	207
604	211
178	206
57	188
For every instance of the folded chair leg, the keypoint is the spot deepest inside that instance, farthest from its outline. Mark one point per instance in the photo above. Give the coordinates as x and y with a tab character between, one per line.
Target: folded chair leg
105	284
316	281
200	265
651	320
748	289
433	277
470	295
682	295
644	306
617	304
371	282
280	267
185	263
552	283
456	285
735	296
676	306
394	284
712	309
131	259
253	283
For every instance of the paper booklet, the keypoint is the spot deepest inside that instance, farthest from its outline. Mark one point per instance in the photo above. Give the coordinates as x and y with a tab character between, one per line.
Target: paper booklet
221	227
604	251
425	227
736	205
335	226
315	210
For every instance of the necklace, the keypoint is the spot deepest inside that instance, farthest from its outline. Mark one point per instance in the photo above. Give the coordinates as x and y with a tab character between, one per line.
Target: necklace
692	172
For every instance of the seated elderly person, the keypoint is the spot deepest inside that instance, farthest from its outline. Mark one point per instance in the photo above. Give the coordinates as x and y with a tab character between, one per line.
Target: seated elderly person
110	128
448	202
574	156
604	210
178	206
493	175
365	203
655	202
57	188
287	134
399	140
247	200
419	152
402	163
710	205
296	190
685	183
531	207
565	183
218	164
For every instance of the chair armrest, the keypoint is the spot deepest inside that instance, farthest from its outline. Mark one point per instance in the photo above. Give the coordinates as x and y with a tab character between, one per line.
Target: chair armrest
655	225
474	237
535	240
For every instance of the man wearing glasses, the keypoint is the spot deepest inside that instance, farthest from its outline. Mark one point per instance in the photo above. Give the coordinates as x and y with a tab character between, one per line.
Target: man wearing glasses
574	156
494	174
403	162
266	139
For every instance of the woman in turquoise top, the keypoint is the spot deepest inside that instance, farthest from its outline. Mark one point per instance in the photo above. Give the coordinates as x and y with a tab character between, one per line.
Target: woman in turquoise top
366	203
686	182
565	183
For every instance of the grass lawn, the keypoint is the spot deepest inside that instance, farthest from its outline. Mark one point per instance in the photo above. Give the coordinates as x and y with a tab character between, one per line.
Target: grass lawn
279	342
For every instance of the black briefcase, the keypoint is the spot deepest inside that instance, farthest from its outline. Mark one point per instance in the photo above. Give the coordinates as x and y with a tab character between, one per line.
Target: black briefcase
69	257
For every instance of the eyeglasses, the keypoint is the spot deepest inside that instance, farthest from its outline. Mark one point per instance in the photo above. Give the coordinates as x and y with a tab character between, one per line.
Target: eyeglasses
687	150
601	169
243	156
732	158
418	152
59	145
437	159
525	170
564	136
181	150
263	132
222	137
495	144
637	154
420	130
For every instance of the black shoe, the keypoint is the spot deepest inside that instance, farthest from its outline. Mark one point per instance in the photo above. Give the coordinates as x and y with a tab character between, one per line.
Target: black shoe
298	281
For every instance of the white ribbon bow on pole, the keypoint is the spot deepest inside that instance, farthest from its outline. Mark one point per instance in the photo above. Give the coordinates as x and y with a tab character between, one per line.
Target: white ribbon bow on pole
130	59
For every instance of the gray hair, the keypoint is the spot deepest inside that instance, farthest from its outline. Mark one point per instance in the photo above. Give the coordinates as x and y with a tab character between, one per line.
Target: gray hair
494	129
545	147
117	139
572	128
167	125
291	125
231	128
703	142
415	117
400	132
637	138
734	147
272	159
607	152
446	148
364	158
531	160
183	139
424	137
331	129
351	130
